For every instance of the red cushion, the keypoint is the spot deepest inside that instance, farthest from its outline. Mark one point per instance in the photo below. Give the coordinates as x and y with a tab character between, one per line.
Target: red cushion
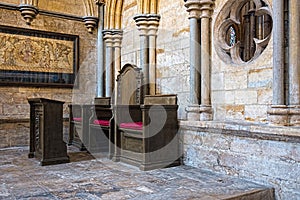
77	119
101	122
132	125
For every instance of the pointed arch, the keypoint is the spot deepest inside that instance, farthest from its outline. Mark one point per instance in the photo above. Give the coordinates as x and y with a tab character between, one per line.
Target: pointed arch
113	17
148	6
89	7
118	13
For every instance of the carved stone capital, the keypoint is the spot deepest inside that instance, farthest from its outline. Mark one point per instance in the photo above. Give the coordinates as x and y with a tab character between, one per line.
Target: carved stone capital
90	23
194	8
108	38
117	36
28	12
206	8
142	23
153	23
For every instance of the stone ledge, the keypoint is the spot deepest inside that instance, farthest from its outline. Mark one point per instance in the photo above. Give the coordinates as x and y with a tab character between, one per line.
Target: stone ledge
20	120
244	129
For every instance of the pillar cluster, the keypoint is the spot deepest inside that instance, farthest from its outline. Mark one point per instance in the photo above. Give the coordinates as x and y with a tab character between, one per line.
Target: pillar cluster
147	25
285	108
200	12
113	40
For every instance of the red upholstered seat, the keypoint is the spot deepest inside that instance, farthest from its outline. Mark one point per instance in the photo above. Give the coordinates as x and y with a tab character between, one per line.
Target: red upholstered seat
101	122
132	125
77	119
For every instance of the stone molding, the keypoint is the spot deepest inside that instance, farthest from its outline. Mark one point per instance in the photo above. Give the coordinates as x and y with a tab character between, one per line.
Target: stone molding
249	130
199	112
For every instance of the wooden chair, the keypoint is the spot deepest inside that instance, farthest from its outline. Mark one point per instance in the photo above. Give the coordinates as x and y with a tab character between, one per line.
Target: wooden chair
146	127
100	123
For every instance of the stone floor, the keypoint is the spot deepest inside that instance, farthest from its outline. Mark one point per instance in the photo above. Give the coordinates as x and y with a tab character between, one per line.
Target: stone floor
88	178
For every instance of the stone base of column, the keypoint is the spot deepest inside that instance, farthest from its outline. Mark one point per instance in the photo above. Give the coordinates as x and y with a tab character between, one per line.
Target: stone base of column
284	115
199	113
294	115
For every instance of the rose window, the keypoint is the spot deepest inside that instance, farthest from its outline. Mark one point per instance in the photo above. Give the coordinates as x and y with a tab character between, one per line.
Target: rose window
243	30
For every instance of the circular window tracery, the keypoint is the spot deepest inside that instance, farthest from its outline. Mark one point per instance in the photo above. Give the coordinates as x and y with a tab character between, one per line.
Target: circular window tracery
243	30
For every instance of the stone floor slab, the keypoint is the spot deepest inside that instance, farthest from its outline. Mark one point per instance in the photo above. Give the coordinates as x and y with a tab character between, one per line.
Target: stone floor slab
86	177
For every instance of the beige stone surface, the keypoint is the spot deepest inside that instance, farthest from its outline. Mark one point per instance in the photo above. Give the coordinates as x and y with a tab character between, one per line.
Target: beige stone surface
14	99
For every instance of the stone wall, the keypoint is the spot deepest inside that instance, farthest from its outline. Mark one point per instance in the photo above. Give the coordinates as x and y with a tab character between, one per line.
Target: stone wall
265	154
172	48
239	92
14	107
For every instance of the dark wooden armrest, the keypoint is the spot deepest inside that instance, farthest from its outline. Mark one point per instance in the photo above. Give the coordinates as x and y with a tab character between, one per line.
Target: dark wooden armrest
101	112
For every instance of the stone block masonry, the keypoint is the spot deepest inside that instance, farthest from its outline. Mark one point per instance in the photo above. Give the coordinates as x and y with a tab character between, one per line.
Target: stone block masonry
261	153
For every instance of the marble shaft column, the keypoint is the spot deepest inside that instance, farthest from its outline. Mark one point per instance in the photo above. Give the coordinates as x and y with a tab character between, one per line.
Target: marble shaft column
193	7
109	72
294	52
153	23
100	46
195	59
278	57
205	62
294	62
205	104
278	113
117	41
142	24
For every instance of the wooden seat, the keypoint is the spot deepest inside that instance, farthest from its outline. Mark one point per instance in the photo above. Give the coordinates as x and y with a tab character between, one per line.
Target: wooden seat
146	127
78	125
79	121
100	123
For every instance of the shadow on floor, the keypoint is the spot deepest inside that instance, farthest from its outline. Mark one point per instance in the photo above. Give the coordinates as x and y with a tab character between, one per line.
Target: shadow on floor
80	156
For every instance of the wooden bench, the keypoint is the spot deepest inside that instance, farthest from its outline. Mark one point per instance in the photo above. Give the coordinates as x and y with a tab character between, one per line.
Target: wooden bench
146	127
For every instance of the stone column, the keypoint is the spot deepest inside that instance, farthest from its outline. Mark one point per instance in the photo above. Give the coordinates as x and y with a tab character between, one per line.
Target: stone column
117	41
278	57
142	24
205	106
193	110
200	59
153	22
109	72
100	47
278	113
294	62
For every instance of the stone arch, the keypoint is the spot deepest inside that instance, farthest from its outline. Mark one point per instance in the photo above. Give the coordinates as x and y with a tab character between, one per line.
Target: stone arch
89	7
148	6
113	17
